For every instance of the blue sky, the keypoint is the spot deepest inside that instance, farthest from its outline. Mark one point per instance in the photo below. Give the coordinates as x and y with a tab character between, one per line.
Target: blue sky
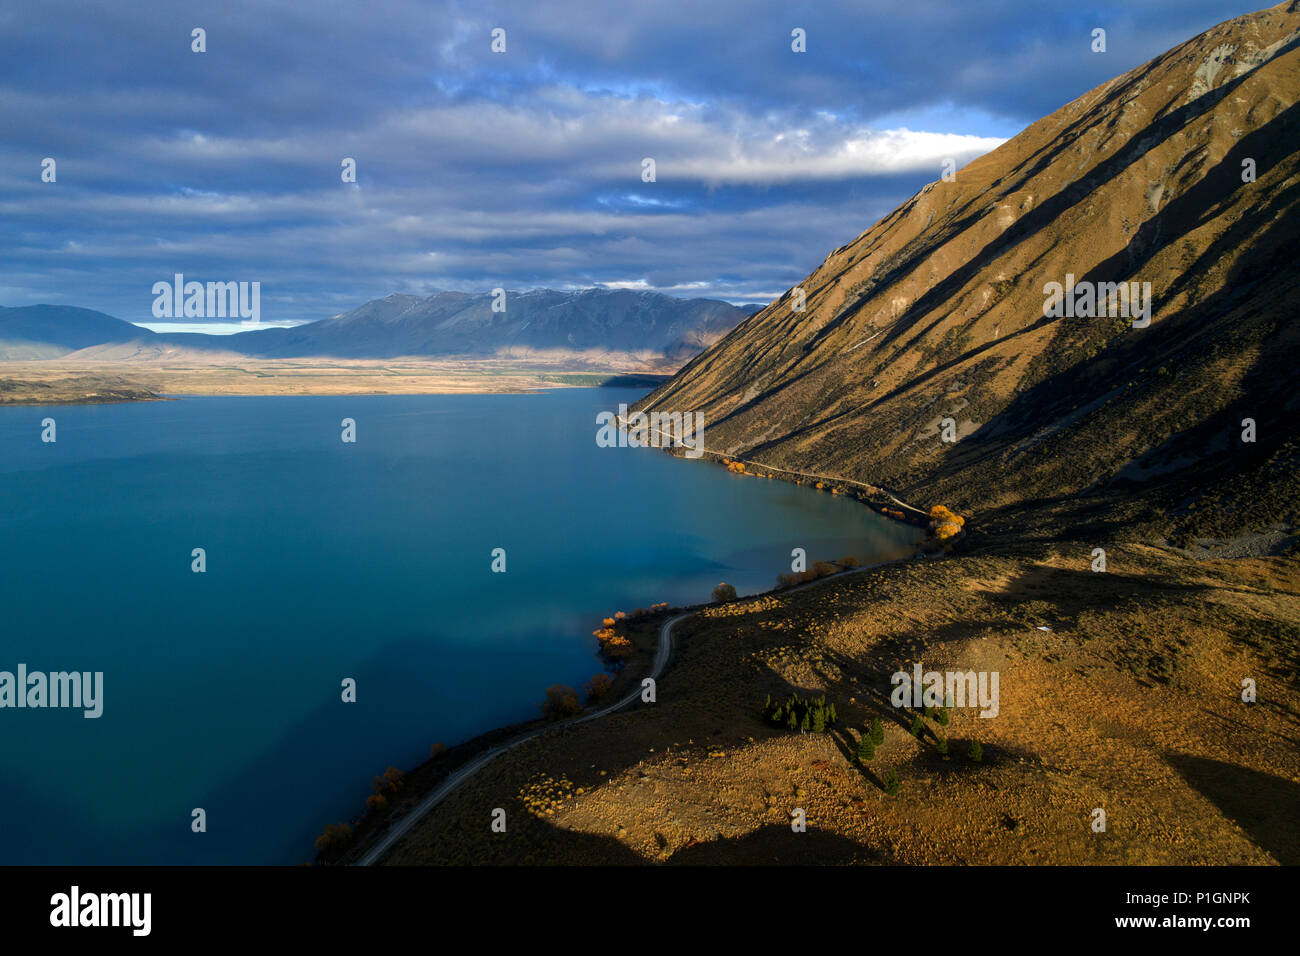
520	169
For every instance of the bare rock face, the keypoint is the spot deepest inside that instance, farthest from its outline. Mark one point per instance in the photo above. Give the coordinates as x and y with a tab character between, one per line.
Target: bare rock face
1181	176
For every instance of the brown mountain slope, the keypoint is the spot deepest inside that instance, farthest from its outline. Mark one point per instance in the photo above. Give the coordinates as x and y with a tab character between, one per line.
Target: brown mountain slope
937	311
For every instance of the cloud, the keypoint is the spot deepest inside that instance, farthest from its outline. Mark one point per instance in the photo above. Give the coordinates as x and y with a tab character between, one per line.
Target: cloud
521	169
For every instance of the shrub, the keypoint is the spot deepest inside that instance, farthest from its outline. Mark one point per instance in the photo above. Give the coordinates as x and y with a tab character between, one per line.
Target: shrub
877	731
561	701
943	716
437	750
786	580
892	786
724	592
335	836
918	727
976	752
824	569
599	686
941	746
377	803
849	562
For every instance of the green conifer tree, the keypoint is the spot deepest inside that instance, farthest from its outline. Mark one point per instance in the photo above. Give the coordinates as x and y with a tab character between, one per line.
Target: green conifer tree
892	786
866	749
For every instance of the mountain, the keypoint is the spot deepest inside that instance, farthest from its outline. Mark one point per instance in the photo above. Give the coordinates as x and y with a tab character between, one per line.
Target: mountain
49	331
597	321
457	323
940	311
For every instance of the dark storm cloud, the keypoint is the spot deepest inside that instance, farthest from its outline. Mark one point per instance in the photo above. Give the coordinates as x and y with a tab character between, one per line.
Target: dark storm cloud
520	169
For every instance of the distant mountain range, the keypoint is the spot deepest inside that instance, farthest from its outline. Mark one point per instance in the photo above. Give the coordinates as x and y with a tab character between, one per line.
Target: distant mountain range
930	358
443	324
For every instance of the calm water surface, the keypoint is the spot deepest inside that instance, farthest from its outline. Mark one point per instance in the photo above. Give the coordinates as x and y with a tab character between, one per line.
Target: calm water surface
325	561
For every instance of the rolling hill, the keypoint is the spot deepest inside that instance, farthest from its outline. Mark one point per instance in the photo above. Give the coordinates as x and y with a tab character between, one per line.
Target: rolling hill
50	331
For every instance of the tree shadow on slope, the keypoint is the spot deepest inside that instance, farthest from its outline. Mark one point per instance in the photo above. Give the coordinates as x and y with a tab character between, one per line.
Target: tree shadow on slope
1263	805
1068	590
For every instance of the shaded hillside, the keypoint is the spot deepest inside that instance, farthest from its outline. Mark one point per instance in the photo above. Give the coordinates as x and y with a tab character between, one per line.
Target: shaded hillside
937	311
49	331
457	323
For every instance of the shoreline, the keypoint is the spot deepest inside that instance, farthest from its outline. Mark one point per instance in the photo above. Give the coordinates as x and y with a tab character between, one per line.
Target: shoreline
701	778
477	752
832	482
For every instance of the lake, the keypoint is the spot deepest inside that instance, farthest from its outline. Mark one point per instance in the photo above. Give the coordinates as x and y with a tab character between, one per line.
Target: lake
327	560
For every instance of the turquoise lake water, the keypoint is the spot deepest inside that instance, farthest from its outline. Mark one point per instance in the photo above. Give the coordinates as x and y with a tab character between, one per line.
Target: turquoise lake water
325	561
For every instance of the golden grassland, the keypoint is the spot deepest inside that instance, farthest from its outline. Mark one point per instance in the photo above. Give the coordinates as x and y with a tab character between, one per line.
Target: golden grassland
62	382
1119	690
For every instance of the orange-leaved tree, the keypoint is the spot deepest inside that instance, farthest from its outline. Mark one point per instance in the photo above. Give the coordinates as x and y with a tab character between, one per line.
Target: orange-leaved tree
561	701
599	686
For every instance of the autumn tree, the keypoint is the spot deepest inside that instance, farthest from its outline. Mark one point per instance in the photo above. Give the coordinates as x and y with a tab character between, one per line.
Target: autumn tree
599	686
334	837
617	648
561	701
390	781
944	523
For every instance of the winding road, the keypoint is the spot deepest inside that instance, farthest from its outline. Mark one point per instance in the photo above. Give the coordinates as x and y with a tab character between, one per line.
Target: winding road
440	793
